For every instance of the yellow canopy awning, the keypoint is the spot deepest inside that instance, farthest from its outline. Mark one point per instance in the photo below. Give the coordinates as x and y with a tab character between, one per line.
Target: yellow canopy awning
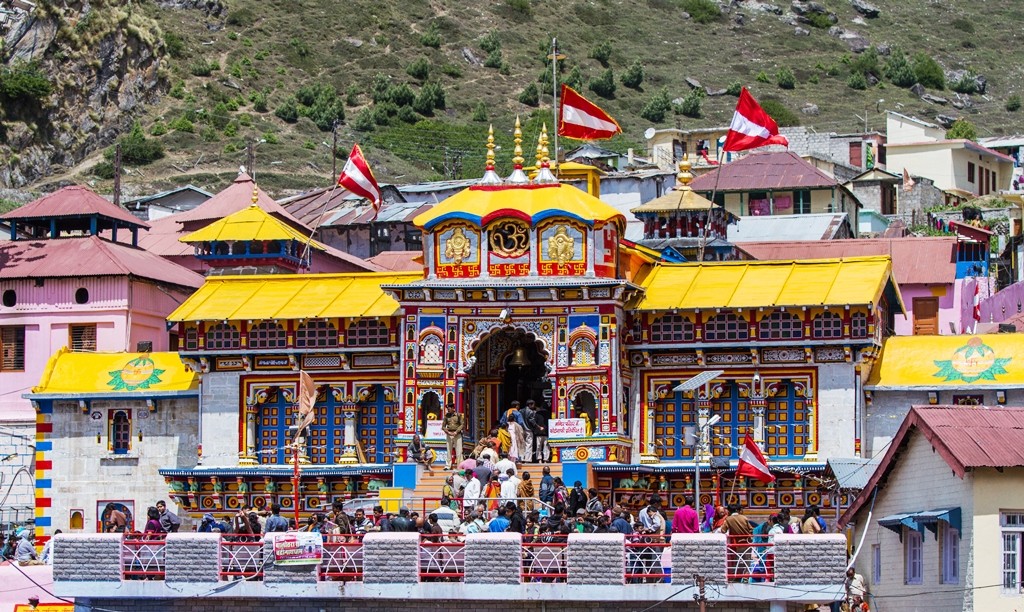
252	223
753	284
531	203
986	361
299	296
71	373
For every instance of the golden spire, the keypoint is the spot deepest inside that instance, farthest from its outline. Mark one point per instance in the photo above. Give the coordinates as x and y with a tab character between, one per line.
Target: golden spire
684	177
490	176
518	177
544	175
517	161
255	193
490	148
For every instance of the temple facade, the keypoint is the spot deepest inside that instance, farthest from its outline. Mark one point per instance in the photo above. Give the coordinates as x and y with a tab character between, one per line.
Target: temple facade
529	291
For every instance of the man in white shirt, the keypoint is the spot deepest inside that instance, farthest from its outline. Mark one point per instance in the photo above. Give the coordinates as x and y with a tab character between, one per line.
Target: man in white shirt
505	465
510	487
471	494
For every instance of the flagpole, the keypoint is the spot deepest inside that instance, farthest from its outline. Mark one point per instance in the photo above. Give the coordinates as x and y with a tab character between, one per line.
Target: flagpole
704	236
554	57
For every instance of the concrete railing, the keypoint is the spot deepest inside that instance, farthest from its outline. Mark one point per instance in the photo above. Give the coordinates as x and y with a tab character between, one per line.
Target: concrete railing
196	563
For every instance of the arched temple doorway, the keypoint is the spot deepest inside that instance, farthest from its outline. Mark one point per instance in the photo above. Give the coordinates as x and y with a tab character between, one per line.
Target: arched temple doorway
511	365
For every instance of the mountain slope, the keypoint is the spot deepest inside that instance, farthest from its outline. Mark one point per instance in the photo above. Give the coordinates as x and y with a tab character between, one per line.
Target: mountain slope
418	82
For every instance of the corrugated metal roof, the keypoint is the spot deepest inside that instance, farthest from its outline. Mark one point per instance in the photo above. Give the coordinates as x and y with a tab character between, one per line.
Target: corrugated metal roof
966	437
852	472
162	238
817	226
73	201
235	197
88	256
292	296
753	284
399	261
762	172
914	260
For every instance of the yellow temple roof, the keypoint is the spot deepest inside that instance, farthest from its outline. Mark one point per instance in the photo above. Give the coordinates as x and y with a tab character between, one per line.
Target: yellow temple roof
481	204
292	296
69	372
985	361
251	223
753	284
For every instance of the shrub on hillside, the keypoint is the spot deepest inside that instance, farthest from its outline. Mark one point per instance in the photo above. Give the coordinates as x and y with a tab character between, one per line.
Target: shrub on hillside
288	111
965	85
24	82
634	75
494	59
867	63
734	88
431	97
490	43
602	52
692	104
962	129
603	85
530	96
575	78
1013	103
174	44
432	37
702	11
480	112
898	69
857	81
401	95
136	149
778	111
419	69
657	107
928	72
785	78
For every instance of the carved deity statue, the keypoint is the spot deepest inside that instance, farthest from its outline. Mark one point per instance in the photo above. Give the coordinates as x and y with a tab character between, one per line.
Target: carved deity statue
561	246
457	247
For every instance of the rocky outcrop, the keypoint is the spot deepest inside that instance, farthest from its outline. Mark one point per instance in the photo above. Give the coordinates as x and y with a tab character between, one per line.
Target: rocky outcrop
211	8
868	10
96	94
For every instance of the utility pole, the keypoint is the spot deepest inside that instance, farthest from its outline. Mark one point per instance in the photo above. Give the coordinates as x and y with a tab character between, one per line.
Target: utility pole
701	595
117	175
250	159
334	151
555	56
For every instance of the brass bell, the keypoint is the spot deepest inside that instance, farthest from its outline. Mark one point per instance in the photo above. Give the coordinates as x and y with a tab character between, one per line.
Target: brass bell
519	358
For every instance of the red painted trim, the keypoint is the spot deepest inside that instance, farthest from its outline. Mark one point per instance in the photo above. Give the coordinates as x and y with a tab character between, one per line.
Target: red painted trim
44	465
512	187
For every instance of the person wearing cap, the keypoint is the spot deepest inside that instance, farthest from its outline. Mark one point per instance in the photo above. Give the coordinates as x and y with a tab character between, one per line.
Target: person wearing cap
453	425
26	552
211	524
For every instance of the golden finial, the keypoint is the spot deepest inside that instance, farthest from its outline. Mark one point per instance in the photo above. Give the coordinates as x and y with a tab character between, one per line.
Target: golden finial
544	138
490	149
517	161
255	193
684	177
490	176
540	149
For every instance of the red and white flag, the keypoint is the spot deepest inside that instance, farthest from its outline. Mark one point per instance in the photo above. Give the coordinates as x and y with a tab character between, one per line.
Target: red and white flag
752	462
580	118
357	177
751	127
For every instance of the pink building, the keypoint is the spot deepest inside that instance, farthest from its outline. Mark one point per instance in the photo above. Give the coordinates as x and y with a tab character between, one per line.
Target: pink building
61	284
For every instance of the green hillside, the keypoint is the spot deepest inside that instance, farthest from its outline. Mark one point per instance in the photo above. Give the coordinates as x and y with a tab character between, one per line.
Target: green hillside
417	82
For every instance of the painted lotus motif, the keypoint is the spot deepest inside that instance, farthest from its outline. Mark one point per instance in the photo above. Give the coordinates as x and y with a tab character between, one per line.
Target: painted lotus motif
972	362
139	373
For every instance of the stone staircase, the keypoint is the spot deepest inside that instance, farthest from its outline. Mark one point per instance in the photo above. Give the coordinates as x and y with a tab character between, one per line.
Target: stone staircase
430	486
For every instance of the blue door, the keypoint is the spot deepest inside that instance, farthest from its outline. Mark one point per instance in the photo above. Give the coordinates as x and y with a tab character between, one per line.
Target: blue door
378	425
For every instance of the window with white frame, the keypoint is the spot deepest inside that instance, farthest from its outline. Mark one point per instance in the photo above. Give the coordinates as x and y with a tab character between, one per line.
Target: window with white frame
912	544
876	563
1012	527
949	543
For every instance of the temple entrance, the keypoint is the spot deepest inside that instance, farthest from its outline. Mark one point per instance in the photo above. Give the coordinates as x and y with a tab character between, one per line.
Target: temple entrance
511	365
584	406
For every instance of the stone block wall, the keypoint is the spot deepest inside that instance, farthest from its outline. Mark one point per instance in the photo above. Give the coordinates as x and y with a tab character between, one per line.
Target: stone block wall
810	559
192	557
87	557
596	558
698	553
493	558
391	558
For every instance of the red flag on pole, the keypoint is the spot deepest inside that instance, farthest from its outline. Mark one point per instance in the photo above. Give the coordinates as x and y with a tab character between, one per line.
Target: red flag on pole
357	177
751	127
580	118
752	462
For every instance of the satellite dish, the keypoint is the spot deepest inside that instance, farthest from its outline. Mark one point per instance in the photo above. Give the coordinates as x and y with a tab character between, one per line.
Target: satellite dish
649	133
